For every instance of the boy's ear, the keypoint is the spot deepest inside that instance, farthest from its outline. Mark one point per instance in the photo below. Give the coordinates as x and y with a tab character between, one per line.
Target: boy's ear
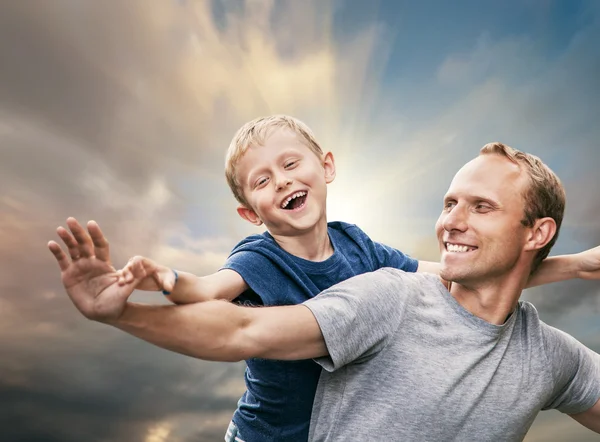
542	232
249	215
329	166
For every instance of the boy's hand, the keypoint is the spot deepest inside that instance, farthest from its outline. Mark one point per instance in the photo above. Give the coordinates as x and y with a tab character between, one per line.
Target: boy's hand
588	264
154	276
88	276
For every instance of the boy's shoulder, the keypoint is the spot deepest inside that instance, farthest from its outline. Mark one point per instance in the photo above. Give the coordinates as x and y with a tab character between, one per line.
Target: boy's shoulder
255	241
342	226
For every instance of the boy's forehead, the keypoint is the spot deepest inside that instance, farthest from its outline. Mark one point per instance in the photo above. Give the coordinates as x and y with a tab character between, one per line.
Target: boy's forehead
276	145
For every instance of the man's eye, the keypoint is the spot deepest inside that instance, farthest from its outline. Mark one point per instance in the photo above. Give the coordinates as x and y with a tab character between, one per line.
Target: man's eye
449	205
483	207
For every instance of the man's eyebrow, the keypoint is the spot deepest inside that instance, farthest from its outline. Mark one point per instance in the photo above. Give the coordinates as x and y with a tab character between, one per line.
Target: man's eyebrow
471	198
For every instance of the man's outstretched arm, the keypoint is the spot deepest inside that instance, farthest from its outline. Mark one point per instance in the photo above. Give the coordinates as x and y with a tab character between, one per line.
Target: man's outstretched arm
222	331
590	418
214	330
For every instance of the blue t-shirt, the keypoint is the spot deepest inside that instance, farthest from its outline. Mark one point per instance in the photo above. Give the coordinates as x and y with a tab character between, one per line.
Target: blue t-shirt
278	401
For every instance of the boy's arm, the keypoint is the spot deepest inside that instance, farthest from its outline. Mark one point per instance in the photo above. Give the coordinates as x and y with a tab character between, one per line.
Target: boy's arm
225	284
429	267
584	265
214	330
187	287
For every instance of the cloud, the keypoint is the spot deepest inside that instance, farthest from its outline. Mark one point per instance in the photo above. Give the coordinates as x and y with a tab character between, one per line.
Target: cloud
121	112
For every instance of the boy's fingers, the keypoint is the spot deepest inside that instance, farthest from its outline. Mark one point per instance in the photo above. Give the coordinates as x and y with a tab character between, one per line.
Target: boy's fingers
101	247
84	242
137	270
70	242
61	257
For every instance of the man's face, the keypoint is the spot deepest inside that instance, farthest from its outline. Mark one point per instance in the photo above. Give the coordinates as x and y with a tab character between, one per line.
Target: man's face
285	184
480	233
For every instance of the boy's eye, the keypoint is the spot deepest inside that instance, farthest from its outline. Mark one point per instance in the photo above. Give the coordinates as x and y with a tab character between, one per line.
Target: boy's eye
290	164
260	182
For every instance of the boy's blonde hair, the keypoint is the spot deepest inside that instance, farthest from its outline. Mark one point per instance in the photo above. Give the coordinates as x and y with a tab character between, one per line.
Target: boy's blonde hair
255	133
544	197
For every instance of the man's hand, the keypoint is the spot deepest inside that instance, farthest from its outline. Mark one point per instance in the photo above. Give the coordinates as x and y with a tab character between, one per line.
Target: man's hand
588	264
87	274
155	276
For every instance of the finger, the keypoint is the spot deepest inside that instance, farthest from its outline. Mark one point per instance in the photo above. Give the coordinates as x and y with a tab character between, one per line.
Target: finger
120	277
60	255
128	274
138	270
70	242
84	242
100	242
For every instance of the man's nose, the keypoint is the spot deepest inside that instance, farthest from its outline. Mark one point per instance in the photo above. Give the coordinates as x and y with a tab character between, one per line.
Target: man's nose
456	219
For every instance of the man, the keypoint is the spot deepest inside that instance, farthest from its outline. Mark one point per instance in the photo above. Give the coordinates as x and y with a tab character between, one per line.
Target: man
404	358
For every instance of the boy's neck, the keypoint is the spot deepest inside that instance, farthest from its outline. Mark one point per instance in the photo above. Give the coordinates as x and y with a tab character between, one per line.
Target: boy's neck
313	245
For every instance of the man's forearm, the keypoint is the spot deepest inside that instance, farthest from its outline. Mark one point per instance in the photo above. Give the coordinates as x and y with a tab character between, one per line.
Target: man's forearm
554	269
210	330
222	331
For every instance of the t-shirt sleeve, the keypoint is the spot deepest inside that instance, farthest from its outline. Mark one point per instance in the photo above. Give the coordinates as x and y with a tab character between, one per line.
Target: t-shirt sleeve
259	273
382	255
358	317
389	257
576	372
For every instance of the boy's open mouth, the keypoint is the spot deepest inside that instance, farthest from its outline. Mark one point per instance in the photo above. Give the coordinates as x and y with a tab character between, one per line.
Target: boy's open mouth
294	201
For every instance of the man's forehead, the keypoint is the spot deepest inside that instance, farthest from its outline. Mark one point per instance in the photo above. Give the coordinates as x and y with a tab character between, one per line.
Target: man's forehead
487	174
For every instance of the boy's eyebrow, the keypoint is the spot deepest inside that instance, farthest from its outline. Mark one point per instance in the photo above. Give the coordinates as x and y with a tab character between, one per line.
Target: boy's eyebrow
260	169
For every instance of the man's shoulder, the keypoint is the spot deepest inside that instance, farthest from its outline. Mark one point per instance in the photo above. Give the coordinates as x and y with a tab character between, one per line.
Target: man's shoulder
549	335
389	276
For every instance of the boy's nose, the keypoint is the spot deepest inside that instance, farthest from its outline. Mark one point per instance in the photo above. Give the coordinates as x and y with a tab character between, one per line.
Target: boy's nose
283	182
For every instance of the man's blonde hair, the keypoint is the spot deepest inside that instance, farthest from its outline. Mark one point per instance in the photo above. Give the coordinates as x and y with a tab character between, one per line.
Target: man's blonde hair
255	133
544	197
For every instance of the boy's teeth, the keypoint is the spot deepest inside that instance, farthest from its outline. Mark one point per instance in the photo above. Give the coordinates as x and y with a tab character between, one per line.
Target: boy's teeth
291	197
457	248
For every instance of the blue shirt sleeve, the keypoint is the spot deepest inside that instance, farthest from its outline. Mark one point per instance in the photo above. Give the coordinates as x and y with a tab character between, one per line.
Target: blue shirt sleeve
382	255
270	273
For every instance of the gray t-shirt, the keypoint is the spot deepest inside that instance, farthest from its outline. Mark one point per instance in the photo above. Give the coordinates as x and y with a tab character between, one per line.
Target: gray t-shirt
407	362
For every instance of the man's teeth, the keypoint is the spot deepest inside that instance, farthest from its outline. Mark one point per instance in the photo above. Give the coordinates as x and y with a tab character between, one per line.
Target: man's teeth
457	248
291	197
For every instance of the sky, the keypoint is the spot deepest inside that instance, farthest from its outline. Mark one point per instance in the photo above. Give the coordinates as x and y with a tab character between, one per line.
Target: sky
121	112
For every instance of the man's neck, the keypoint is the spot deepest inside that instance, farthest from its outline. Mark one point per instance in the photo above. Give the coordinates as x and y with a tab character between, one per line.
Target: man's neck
494	300
313	245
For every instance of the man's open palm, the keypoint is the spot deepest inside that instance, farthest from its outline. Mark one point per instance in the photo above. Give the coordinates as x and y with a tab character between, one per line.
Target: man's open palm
87	274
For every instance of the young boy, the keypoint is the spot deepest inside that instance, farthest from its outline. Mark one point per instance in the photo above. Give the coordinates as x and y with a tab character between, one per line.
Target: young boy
279	175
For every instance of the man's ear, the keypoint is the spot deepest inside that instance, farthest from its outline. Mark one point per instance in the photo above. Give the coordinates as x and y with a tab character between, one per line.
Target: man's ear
329	166
541	233
249	215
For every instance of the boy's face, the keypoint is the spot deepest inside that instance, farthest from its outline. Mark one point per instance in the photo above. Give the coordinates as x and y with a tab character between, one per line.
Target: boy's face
285	184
